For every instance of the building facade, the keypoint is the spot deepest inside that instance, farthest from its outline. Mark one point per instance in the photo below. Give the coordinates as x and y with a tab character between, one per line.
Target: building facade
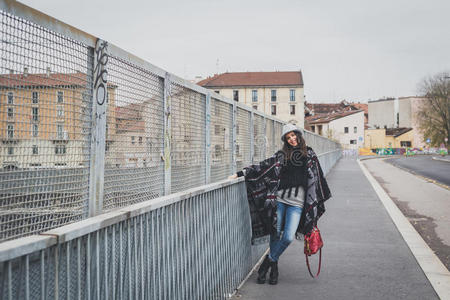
279	94
394	113
347	127
45	120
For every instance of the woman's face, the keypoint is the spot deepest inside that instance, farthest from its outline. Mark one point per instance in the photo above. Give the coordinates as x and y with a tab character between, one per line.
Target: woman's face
291	138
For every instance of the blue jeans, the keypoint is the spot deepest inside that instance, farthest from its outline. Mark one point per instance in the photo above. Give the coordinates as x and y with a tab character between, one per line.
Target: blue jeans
289	216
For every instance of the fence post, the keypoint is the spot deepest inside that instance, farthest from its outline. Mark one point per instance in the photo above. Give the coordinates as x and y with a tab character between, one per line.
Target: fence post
208	139
167	135
98	137
233	139
252	136
264	151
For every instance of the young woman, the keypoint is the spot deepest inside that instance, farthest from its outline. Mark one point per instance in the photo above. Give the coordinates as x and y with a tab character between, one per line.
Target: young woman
288	191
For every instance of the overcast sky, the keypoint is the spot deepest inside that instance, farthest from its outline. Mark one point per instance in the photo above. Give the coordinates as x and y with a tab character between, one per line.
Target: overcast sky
348	49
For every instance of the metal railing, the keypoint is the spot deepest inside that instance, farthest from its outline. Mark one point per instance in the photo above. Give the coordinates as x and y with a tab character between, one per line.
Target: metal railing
188	245
174	247
111	167
131	131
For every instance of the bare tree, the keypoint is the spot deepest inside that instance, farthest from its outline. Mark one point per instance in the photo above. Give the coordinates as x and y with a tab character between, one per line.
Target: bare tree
434	113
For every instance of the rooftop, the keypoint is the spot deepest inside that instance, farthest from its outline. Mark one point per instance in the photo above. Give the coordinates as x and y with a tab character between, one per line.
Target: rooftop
282	78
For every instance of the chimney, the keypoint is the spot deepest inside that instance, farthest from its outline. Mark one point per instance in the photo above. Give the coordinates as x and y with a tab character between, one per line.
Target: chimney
25	71
48	71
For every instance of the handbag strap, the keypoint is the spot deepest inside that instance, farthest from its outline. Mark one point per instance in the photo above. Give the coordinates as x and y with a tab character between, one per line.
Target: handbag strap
320	263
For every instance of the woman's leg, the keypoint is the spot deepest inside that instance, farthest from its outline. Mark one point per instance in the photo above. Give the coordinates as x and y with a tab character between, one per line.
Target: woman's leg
291	218
275	238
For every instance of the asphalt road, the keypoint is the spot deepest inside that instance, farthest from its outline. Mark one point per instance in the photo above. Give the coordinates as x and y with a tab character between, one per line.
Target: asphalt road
425	166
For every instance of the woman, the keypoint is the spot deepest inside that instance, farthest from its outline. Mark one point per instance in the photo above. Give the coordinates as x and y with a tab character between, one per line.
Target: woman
287	191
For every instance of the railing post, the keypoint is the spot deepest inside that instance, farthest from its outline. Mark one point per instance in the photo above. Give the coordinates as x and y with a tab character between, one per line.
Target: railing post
167	136
252	137
208	139
264	151
233	139
98	137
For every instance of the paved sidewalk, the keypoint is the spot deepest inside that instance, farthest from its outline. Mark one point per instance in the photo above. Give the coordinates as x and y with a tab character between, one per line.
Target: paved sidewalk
364	256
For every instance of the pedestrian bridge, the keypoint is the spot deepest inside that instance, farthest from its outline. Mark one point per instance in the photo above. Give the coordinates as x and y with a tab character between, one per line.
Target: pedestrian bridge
113	183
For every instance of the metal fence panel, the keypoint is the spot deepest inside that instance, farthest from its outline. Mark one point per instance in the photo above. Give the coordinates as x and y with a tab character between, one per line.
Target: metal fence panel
177	251
221	139
45	104
243	137
259	138
134	135
188	138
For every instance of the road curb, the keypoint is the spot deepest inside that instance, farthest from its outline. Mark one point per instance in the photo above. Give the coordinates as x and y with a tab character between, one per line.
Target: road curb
434	269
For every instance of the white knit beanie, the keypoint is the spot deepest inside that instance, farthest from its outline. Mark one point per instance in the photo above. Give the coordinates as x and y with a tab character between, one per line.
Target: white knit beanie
288	128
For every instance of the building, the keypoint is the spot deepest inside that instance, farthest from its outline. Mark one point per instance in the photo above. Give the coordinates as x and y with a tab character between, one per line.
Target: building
392	113
279	94
388	138
45	119
345	127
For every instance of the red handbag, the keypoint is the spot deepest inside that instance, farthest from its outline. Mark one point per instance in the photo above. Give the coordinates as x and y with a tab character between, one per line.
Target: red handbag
313	244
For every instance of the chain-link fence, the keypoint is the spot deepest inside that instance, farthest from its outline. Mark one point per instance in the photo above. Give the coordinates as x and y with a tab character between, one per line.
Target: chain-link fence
87	128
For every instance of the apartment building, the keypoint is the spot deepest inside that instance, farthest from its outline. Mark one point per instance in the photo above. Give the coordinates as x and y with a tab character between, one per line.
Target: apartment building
45	120
279	94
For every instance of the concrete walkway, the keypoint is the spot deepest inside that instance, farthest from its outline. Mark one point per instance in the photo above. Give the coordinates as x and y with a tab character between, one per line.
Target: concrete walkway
364	256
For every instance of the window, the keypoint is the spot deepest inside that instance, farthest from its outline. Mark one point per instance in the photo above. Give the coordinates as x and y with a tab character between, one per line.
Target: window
292	109
35	149
60	149
313	129
218	92
355	129
10	98
398	119
237	149
292	95
235	95
149	144
353	142
237	129
35	97
35	113
217	150
254	95
319	127
35	130
60	131
60	111
10	131
140	140
255	107
405	144
132	140
345	129
217	129
273	94
60	96
10	112
10	150
274	110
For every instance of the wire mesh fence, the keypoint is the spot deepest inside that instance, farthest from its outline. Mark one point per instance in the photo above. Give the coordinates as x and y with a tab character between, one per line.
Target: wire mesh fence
62	158
45	104
134	131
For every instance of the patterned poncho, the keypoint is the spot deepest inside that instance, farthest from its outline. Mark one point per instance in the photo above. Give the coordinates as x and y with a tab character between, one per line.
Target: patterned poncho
262	181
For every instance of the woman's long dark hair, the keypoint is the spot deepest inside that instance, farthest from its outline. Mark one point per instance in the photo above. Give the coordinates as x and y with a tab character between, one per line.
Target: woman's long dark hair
301	147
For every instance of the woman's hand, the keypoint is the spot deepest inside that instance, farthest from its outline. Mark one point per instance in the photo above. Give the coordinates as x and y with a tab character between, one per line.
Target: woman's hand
234	176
